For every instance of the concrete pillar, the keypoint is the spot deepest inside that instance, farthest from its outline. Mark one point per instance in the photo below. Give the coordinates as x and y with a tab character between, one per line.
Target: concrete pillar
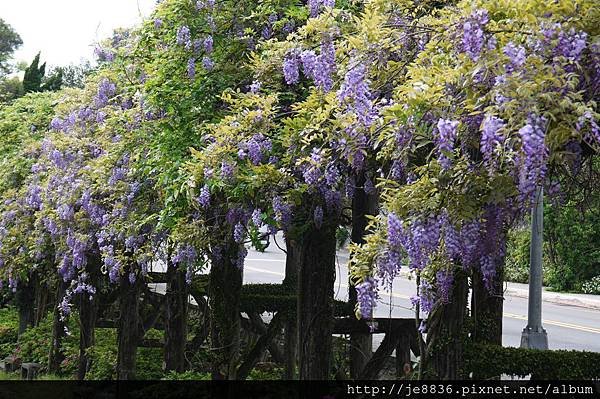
534	336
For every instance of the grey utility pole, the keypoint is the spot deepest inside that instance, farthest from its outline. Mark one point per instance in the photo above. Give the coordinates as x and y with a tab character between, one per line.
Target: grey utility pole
534	336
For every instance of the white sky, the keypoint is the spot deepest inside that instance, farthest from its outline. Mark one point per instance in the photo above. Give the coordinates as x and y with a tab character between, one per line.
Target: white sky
65	30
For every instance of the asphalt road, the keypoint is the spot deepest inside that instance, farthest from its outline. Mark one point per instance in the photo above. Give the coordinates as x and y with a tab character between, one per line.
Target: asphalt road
568	327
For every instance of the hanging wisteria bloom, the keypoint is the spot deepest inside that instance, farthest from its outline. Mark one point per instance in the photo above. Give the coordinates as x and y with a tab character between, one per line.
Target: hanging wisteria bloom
208	44
534	157
257	218
316	6
318	217
426	299
208	63
238	233
563	43
183	36
366	293
283	212
291	71
309	61
516	56
588	121
422	242
491	140
395	231
204	197
356	94
444	280
369	187
325	65
255	87
191	68
226	170
444	140
473	35
106	90
389	264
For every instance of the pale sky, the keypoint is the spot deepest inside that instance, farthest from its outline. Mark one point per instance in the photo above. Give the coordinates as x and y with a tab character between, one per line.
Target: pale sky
65	30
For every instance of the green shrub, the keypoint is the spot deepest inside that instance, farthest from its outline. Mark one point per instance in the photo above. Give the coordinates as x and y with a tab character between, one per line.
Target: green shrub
34	344
573	232
592	286
487	361
9	326
517	256
103	357
186	375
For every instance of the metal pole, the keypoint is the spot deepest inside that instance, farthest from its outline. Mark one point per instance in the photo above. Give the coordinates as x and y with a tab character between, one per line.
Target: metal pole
534	335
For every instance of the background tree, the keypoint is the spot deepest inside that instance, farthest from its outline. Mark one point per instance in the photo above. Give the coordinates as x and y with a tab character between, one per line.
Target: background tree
34	74
9	42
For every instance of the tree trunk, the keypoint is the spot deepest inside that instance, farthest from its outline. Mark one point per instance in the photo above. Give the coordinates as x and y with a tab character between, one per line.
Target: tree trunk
56	356
291	331
26	302
446	334
176	312
128	327
225	284
361	345
88	314
41	302
88	310
487	309
316	281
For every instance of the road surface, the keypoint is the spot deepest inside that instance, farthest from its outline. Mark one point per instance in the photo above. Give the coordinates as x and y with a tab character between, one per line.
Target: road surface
568	327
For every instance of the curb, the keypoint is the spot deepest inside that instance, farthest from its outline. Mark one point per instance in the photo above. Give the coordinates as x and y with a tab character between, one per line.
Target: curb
557	299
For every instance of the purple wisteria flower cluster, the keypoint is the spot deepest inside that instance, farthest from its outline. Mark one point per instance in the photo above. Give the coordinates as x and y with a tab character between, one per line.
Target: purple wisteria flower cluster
367	296
320	68
473	35
534	157
516	55
444	141
491	141
315	7
355	92
255	149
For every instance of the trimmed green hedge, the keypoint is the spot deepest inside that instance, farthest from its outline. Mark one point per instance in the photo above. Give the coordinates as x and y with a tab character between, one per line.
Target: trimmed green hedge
262	298
487	361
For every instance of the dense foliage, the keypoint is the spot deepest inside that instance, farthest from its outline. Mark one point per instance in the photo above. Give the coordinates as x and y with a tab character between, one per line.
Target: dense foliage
215	122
